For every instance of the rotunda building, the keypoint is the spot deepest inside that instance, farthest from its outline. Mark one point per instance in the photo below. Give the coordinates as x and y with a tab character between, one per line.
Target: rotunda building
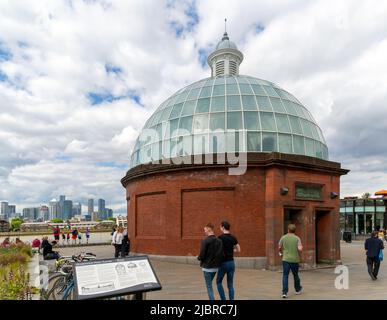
237	148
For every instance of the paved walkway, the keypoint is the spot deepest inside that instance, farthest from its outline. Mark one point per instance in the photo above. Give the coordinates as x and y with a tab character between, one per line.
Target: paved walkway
181	281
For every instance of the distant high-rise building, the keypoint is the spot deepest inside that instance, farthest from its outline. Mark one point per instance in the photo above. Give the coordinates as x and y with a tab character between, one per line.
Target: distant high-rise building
77	209
90	207
94	216
31	213
44	213
54	210
4	210
11	211
101	209
61	205
109	213
67	209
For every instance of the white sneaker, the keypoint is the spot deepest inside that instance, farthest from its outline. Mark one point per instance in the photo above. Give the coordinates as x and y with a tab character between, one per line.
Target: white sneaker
299	292
284	296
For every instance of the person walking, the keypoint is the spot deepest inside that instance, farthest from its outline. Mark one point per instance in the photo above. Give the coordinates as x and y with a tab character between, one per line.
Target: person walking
210	257
117	241
373	247
74	235
87	235
289	248
79	238
125	244
230	245
56	233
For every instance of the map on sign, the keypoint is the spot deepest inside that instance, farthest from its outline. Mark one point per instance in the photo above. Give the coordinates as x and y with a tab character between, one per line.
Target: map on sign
114	277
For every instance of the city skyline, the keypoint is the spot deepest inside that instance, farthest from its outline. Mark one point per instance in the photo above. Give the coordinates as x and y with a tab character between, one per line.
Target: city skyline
72	105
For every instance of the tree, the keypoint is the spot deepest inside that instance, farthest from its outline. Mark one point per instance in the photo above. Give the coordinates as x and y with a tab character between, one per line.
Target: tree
366	195
15	224
111	219
56	220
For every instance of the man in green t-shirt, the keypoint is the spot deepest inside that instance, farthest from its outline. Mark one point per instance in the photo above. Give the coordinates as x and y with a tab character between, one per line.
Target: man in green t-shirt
289	248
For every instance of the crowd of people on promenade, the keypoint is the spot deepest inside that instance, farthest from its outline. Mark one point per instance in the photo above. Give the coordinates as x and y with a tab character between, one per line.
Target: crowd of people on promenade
70	235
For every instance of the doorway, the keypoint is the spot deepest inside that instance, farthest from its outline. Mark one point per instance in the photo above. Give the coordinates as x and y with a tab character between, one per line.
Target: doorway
292	216
323	240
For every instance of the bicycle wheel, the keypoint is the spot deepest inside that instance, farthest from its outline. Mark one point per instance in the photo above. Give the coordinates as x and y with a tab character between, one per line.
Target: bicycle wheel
47	286
59	285
69	293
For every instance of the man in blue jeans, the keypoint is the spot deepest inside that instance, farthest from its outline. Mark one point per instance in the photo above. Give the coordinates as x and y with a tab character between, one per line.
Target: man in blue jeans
289	248
210	256
230	245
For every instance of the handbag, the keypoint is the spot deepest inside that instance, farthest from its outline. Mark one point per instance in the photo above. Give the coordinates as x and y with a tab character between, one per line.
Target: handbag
381	255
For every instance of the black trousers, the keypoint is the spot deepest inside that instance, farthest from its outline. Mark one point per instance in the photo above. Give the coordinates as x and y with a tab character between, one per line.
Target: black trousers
117	250
373	265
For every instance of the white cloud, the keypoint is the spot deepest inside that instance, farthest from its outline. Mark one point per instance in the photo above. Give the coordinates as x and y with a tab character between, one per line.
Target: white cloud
53	141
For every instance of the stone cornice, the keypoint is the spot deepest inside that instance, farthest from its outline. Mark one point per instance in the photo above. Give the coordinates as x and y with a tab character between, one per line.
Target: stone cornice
253	160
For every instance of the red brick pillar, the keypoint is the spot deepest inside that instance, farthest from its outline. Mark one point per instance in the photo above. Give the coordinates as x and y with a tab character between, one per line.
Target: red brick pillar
274	216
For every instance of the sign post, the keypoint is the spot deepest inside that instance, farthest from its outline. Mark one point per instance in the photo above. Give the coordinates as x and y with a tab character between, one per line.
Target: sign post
108	278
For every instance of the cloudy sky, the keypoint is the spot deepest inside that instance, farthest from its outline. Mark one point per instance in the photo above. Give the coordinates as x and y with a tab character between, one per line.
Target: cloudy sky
79	78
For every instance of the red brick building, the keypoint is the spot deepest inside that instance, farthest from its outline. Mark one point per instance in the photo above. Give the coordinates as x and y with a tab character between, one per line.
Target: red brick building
288	176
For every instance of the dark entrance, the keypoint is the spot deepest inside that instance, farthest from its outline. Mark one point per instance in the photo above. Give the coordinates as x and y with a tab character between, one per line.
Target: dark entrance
292	216
323	237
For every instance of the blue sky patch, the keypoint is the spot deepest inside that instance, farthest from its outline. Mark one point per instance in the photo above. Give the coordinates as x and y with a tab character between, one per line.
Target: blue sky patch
3	77
97	98
259	28
203	54
5	54
193	19
109	68
111	164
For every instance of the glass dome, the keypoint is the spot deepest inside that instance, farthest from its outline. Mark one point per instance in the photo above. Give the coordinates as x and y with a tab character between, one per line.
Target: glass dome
227	114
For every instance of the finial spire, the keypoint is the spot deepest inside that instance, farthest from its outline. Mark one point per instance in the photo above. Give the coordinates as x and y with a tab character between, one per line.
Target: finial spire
225	35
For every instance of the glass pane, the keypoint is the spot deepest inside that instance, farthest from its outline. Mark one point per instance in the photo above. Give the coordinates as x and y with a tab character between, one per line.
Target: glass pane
193	94
187	145
253	141
264	103
306	127
233	103
295	124
173	125
217	121
218	142
285	143
258	90
186	124
267	121
219	90
176	111
298	144
206	92
200	123
309	147
249	103
189	108
232	89
234	141
269	142
271	92
165	115
289	107
200	144
181	97
251	120
234	120
245	89
217	104
319	150
230	80
203	105
277	105
219	80
282	122
209	82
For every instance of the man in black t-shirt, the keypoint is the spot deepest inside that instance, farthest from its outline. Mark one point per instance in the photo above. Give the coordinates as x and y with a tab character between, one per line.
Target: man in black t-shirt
230	245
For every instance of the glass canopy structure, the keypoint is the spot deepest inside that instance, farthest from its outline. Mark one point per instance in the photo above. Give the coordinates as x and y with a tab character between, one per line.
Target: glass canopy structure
229	113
